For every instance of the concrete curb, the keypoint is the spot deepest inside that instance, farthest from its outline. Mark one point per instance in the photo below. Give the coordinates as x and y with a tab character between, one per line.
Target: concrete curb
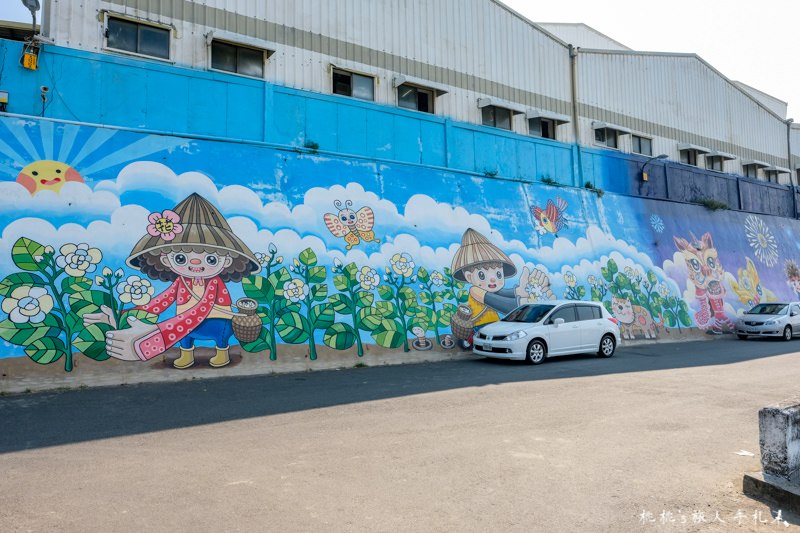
772	489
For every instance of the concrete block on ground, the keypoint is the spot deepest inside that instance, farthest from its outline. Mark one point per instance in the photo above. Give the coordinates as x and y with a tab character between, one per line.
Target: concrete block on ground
772	490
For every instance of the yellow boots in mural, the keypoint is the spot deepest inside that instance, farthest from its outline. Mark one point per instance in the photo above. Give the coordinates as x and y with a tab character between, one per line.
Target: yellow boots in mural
220	359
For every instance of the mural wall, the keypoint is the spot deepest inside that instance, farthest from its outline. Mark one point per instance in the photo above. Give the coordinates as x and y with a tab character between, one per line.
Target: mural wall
119	245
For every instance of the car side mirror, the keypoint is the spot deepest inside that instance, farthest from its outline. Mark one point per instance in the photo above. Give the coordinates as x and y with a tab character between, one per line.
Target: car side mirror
558	321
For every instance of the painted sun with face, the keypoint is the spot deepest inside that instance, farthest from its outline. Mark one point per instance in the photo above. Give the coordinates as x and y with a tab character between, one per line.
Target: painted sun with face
47	175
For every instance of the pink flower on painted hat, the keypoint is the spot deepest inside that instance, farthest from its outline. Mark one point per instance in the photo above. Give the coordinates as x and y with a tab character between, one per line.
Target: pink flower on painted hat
165	225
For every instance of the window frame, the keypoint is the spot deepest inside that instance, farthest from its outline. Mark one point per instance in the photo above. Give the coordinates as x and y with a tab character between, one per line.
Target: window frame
351	74
641	138
417	89
713	161
691	156
608	133
493	107
746	172
109	17
552	124
265	54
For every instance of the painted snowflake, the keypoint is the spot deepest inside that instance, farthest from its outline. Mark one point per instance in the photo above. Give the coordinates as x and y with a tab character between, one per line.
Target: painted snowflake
761	240
657	223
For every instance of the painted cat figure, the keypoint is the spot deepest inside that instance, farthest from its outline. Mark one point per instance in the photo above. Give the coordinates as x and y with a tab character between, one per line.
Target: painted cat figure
633	319
706	273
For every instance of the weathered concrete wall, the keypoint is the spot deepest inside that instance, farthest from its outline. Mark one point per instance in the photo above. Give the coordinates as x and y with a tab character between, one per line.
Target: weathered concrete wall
779	438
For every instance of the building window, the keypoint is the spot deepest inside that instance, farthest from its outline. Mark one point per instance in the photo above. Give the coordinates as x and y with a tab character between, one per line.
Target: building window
689	156
714	162
496	117
750	171
542	127
641	145
771	175
238	59
416	98
607	136
352	84
138	38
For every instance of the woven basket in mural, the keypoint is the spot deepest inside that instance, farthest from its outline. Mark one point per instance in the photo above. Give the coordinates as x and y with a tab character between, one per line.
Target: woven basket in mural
246	324
461	323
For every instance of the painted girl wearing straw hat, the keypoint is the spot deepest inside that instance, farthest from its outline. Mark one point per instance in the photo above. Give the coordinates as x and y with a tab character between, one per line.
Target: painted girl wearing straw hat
486	268
193	247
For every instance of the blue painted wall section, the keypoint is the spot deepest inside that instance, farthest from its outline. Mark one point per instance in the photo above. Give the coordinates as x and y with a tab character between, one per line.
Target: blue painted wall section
335	224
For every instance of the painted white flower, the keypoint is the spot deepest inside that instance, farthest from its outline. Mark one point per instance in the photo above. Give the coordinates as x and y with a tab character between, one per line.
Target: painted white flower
592	281
437	278
663	290
78	259
295	290
535	292
272	249
337	262
541	230
570	278
368	278
402	264
135	290
261	257
28	304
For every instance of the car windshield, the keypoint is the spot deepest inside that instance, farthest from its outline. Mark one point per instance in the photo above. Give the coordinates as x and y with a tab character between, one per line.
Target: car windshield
768	309
528	313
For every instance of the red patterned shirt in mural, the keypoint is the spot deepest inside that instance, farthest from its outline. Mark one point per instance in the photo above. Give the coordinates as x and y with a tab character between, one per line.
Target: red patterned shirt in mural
193	309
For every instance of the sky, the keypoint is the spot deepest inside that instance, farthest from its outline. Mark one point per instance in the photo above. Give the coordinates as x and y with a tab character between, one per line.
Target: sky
747	41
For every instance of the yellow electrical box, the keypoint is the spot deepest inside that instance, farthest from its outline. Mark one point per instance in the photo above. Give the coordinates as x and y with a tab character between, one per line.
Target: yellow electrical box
30	57
644	176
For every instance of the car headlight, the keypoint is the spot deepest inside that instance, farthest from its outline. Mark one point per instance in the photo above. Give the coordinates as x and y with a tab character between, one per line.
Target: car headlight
771	322
516	335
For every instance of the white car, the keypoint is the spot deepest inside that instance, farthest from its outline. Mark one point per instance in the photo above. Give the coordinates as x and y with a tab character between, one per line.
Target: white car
771	319
539	330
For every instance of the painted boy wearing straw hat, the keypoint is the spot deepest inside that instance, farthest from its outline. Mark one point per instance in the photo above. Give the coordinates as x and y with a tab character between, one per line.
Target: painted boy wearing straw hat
193	247
484	266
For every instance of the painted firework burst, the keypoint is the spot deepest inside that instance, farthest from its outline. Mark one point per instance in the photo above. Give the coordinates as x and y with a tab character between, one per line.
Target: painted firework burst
761	240
657	223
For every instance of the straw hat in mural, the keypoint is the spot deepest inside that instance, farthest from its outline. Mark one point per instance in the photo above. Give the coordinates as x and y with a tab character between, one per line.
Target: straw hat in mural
202	228
476	250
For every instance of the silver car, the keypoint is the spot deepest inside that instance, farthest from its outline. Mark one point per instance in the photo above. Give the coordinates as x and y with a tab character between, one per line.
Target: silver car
539	330
771	319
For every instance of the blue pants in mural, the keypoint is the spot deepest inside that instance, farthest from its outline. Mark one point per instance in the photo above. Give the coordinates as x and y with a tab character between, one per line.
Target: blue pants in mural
218	330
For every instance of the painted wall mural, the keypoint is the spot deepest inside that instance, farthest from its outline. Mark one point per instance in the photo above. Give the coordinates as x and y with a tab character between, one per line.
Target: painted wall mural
127	246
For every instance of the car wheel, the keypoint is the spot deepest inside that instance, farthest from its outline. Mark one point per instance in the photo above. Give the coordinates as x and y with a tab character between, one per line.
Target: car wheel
787	333
536	353
607	346
742	337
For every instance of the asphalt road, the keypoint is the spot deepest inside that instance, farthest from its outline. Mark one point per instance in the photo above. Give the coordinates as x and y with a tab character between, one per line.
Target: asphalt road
654	439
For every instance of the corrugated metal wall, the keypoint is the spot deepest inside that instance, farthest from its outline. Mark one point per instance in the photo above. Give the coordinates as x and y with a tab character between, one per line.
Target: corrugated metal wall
680	99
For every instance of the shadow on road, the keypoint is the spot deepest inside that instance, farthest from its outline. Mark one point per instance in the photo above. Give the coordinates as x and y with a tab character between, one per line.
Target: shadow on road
64	417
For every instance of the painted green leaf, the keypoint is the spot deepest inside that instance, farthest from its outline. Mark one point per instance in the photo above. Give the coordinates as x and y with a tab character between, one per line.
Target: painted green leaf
612	267
425	298
438	297
418	322
91	342
386	309
596	295
319	293
411	310
308	257
72	284
285	305
386	292
20	279
684	317
278	279
24	334
351	271
448	272
608	307
450	308
651	277
141	314
258	288
74	321
669	318
317	274
422	275
389	334
683	306
407	293
449	294
46	350
23	253
655	311
340	282
339	336
463	296
443	318
581	291
623	282
364	298
341	303
369	318
672	302
322	316
293	328
78	301
262	343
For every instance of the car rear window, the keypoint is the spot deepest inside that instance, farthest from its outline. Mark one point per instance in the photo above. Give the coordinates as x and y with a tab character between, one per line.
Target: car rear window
588	312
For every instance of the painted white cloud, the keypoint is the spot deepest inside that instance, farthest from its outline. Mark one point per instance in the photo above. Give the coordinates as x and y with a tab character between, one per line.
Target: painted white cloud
73	197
